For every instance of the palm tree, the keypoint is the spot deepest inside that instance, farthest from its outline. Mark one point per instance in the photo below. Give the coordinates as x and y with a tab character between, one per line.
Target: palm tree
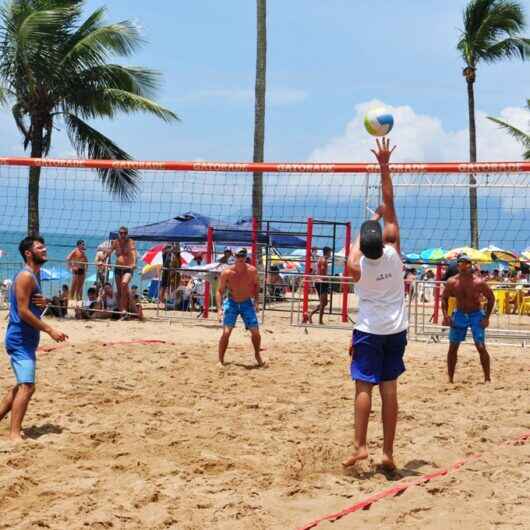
492	32
259	109
54	67
516	133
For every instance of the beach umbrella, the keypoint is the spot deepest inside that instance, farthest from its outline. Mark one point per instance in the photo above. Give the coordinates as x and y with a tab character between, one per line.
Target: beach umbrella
433	255
526	254
153	256
499	254
53	273
473	253
412	258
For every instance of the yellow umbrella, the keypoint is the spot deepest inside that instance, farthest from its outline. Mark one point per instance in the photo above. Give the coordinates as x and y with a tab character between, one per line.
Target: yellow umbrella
473	253
498	254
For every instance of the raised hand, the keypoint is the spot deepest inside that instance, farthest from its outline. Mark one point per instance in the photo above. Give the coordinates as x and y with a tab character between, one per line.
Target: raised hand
383	151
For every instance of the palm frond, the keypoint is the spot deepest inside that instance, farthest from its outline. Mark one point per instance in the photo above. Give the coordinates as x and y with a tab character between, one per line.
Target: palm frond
3	96
22	126
137	80
510	48
96	45
91	143
127	102
514	132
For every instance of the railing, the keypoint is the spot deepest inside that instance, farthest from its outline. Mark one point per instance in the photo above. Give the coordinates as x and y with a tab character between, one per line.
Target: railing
509	322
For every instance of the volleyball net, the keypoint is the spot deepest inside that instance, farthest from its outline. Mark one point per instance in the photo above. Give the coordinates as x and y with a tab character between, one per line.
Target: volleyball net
432	202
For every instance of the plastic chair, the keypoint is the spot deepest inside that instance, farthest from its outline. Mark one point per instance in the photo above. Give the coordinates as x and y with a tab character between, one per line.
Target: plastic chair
500	301
524	308
451	305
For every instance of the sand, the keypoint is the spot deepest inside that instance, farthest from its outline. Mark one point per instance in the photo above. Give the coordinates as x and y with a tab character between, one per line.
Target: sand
157	436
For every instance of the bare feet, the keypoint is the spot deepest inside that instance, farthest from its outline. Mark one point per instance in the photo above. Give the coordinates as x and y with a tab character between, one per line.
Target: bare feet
360	454
17	438
220	364
388	463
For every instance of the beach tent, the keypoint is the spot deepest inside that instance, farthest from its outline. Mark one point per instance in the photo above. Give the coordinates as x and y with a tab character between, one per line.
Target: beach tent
192	227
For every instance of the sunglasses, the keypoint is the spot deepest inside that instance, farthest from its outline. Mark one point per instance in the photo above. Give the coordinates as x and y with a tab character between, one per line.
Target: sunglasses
122	233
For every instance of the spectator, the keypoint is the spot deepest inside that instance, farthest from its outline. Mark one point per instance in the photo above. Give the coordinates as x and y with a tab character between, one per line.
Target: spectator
78	264
87	310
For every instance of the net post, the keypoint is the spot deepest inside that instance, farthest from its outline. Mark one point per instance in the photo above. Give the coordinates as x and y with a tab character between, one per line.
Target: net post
437	293
209	252
307	270
345	285
254	241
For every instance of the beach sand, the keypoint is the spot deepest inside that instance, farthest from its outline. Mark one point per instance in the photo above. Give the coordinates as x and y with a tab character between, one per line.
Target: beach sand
158	436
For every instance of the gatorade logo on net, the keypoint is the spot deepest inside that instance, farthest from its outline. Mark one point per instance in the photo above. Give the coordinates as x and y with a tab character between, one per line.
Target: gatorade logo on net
484	167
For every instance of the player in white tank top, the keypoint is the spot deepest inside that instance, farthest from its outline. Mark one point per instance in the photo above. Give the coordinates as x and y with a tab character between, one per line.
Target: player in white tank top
379	338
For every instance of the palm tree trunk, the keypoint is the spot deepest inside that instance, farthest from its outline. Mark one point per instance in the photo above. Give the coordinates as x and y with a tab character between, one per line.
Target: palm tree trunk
34	178
473	202
259	109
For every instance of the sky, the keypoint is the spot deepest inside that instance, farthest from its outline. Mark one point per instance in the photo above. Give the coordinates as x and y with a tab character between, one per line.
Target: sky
328	61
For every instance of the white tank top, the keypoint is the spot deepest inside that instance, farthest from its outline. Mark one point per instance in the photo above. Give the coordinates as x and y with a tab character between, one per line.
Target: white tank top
381	293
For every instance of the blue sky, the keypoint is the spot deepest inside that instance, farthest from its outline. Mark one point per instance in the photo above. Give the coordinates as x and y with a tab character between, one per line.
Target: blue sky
325	59
328	62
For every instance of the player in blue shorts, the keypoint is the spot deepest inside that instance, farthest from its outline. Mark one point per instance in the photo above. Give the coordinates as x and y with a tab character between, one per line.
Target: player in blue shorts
241	280
468	288
26	304
380	333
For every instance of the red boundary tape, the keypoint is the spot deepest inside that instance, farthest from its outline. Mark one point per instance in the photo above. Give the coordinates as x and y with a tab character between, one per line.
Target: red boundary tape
399	488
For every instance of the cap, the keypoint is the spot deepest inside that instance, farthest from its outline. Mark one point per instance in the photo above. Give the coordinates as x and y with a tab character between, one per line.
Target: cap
242	253
80	242
463	257
227	249
371	239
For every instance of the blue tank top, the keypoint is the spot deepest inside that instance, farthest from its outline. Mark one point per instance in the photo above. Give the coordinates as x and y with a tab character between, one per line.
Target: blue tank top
19	334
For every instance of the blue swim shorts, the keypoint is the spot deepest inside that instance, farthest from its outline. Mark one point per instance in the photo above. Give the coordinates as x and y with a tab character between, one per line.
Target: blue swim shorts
246	309
460	321
23	363
377	358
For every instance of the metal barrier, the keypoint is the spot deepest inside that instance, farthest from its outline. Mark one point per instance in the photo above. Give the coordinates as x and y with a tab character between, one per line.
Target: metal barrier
509	322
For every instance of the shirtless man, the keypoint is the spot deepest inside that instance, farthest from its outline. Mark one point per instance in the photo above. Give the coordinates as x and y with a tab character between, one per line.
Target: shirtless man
125	250
78	264
242	282
467	288
321	285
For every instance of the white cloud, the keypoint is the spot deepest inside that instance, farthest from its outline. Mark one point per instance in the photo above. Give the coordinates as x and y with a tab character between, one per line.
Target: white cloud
275	96
422	138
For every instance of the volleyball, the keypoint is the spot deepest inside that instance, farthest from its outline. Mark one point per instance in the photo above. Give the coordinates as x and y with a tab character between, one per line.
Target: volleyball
378	122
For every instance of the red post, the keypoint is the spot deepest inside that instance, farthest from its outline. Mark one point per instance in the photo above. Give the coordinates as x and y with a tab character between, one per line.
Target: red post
437	294
209	256
345	285
254	241
307	271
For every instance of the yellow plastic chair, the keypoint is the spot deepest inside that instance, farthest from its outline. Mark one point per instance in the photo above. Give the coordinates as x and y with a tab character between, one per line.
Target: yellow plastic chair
500	301
451	305
524	307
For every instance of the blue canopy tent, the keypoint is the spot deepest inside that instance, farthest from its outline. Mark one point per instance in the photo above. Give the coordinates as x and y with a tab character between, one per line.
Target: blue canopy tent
192	227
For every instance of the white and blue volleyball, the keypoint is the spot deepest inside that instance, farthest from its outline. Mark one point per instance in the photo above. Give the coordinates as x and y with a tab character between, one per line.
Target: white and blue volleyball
378	122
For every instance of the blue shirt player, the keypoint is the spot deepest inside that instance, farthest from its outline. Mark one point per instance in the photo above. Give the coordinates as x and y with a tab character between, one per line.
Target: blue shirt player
26	305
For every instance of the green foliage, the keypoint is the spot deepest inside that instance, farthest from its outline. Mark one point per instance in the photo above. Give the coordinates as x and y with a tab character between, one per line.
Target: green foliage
492	31
514	132
56	66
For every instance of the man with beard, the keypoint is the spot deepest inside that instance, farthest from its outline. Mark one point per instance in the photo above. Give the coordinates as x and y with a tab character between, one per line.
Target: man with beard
26	305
